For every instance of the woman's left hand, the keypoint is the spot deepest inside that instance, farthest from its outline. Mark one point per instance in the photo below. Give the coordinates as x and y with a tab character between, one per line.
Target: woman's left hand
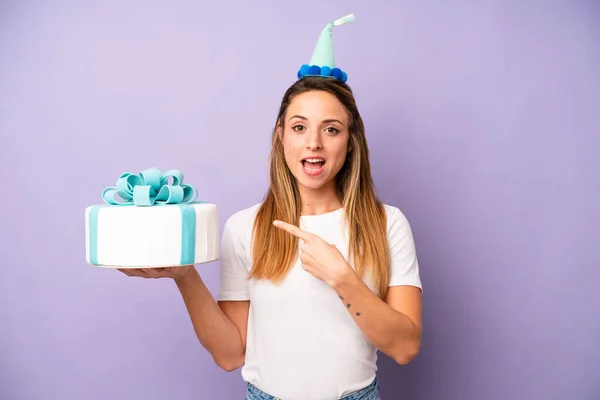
321	259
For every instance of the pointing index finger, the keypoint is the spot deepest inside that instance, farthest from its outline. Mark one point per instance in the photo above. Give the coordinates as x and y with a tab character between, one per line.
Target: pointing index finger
293	229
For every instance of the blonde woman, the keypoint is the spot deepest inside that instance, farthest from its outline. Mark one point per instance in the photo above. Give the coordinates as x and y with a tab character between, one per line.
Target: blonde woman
320	275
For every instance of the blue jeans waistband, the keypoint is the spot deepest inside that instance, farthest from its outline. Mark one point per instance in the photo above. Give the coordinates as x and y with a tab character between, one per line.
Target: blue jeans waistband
371	392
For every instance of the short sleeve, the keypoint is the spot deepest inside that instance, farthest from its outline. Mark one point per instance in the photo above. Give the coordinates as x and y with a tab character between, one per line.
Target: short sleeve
234	263
404	262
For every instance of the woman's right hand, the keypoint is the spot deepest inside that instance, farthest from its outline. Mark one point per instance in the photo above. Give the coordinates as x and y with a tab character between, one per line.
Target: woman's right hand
176	273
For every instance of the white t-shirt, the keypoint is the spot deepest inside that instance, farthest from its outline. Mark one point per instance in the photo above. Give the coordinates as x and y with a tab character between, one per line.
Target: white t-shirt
302	343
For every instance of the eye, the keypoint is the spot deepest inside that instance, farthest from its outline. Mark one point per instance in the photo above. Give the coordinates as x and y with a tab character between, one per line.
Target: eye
297	128
333	130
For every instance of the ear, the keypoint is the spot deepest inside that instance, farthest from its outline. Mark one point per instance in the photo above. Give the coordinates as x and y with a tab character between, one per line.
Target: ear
280	133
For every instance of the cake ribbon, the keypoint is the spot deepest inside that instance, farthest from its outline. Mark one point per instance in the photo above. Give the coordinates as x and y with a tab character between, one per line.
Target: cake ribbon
150	187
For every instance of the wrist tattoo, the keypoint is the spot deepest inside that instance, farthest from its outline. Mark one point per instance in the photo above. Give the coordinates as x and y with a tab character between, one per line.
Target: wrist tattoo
348	305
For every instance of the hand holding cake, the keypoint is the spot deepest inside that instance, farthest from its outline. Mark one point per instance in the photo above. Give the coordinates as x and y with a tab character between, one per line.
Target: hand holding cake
176	273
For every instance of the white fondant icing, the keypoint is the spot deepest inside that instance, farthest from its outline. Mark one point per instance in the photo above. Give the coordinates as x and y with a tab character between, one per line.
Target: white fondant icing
145	237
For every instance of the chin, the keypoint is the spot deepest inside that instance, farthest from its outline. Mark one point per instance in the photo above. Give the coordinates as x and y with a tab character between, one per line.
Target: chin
312	183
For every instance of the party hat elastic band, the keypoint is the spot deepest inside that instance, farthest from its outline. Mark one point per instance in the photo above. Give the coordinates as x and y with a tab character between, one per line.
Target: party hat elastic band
322	62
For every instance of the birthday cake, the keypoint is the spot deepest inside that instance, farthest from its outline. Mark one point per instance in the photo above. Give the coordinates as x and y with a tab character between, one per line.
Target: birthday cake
151	220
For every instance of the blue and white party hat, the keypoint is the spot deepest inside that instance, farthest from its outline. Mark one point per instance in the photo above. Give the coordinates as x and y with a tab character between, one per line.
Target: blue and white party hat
322	62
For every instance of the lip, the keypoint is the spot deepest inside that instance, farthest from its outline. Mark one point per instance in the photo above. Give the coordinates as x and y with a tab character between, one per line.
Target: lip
312	172
313	158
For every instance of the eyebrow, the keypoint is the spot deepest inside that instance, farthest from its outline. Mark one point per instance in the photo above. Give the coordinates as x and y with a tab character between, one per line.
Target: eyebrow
324	121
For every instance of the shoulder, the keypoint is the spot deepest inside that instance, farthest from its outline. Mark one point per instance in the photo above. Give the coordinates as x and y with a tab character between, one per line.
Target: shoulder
241	222
403	252
397	222
394	214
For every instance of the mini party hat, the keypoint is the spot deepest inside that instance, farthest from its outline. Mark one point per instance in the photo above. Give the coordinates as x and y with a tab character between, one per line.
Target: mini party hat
322	62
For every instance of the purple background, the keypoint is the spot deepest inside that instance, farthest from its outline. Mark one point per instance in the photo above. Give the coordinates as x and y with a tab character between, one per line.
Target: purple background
483	121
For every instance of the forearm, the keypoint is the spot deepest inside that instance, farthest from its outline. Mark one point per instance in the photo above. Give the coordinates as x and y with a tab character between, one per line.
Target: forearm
391	331
216	332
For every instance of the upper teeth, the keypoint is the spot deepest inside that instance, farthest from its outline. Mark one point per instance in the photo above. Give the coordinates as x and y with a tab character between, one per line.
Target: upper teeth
313	160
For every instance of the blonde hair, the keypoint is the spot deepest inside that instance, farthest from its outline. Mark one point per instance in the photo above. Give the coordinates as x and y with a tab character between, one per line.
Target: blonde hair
274	250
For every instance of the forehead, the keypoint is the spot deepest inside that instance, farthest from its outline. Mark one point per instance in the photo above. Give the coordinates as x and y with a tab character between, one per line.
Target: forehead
317	105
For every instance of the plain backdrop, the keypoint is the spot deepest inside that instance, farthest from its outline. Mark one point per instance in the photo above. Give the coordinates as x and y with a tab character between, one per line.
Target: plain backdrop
483	124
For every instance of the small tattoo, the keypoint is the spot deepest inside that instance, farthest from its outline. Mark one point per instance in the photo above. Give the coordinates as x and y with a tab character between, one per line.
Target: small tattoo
348	305
340	297
358	314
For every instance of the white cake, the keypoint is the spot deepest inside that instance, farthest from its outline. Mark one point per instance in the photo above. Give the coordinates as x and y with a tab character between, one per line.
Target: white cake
120	235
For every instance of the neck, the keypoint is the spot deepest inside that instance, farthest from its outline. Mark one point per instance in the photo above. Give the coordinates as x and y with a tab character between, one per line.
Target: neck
320	201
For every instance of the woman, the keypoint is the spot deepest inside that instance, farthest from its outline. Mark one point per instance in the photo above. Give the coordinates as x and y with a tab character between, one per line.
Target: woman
321	274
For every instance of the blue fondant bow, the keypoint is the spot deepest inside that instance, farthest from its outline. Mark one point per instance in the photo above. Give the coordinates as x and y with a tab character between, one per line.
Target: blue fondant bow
149	188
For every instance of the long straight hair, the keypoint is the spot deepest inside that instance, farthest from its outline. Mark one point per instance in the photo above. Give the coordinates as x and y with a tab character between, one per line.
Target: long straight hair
274	251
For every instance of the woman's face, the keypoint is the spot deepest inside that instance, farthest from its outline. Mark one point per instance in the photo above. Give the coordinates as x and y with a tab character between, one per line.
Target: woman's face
315	139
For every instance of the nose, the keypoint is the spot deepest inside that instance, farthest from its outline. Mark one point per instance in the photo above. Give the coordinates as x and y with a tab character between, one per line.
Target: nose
313	140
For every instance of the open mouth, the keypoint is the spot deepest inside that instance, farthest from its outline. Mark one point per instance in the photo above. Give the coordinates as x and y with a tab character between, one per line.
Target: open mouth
313	165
